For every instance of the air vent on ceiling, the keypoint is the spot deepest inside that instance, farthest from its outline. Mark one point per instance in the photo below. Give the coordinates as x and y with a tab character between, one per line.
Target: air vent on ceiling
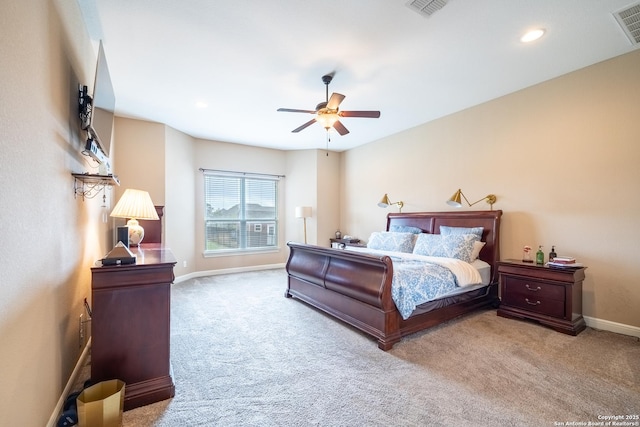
426	7
629	20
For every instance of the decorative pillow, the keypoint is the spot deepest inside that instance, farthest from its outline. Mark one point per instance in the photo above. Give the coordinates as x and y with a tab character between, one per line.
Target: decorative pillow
391	241
405	229
459	246
445	230
477	247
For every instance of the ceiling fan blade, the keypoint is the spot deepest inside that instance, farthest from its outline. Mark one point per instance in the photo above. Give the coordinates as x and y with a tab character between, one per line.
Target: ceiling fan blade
370	114
340	128
309	123
293	110
334	101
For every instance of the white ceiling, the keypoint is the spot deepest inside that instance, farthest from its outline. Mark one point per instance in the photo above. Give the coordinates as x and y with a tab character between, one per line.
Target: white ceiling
247	58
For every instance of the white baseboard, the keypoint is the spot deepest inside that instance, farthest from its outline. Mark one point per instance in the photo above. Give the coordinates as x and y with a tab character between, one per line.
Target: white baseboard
607	325
227	271
53	421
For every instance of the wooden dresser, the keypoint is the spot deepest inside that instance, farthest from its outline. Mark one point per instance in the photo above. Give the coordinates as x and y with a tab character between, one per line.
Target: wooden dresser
130	325
549	295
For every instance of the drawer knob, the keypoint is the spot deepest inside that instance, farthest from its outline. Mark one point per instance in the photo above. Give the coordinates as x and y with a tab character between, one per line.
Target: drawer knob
536	289
532	303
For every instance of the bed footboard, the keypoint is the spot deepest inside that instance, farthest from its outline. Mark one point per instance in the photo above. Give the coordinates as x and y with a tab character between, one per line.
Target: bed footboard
353	287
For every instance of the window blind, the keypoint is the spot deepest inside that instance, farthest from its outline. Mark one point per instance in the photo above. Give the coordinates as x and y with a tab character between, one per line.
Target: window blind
241	211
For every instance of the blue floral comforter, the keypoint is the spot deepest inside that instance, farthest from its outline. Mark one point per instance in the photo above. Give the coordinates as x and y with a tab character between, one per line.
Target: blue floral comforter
419	279
416	282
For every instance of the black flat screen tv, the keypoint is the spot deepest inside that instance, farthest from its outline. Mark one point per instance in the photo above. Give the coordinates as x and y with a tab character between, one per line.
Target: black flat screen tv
97	112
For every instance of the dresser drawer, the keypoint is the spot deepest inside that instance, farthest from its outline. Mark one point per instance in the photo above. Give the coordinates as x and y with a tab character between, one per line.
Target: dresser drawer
532	303
528	288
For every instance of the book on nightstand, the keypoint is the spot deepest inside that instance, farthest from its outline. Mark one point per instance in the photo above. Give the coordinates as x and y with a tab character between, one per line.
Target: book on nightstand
564	262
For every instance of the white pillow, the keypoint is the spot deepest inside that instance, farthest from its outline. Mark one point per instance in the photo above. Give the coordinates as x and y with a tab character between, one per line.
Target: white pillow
477	247
459	246
391	241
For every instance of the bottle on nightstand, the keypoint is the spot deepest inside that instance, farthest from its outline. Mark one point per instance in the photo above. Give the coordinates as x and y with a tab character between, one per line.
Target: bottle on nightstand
552	254
540	256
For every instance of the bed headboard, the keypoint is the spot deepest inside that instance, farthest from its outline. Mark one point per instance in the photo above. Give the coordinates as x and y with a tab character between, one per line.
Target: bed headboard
430	222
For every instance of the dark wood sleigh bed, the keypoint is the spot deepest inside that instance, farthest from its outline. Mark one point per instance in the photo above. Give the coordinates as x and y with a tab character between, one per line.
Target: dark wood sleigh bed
356	287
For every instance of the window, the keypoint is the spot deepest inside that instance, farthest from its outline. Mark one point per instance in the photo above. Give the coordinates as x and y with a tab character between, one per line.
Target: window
241	212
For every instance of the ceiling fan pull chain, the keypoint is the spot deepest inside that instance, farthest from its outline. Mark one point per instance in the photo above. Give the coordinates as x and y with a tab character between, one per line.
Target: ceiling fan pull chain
328	141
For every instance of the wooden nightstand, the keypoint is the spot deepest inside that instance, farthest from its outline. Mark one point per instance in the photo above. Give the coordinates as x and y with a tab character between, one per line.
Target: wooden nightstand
549	295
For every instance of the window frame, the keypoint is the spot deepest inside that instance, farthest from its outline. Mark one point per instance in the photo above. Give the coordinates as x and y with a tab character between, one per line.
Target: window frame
246	226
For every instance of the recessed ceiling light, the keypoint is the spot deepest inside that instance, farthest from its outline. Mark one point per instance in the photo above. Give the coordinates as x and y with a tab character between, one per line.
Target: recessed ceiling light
201	104
532	35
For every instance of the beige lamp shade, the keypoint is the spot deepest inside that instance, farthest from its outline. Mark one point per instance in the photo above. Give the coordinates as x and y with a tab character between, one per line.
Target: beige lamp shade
135	205
303	212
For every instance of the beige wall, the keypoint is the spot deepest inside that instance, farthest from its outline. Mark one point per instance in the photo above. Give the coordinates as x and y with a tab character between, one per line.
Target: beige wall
49	238
301	190
139	157
179	211
328	184
562	158
313	179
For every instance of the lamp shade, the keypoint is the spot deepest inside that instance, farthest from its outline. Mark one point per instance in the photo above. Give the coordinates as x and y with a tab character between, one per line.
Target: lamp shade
135	204
303	212
456	199
384	202
327	119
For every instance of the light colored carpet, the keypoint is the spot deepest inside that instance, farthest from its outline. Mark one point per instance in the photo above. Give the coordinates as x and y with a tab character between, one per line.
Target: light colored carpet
244	355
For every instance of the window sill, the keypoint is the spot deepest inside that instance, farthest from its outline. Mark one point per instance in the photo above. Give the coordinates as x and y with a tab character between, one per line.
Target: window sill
239	252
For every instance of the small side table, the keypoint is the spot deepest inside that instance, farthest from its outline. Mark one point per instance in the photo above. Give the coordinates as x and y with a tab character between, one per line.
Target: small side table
341	243
549	295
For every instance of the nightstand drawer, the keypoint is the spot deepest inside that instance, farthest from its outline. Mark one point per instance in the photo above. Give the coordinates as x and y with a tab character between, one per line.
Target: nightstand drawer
533	289
533	303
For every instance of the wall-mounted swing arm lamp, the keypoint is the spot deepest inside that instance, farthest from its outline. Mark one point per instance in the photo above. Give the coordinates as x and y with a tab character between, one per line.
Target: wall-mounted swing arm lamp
456	199
385	203
304	212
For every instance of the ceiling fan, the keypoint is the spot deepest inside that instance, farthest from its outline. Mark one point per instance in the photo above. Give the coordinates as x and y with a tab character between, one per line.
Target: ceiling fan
327	112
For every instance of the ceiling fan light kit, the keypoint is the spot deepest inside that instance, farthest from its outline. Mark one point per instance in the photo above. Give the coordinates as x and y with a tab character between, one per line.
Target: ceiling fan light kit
328	113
